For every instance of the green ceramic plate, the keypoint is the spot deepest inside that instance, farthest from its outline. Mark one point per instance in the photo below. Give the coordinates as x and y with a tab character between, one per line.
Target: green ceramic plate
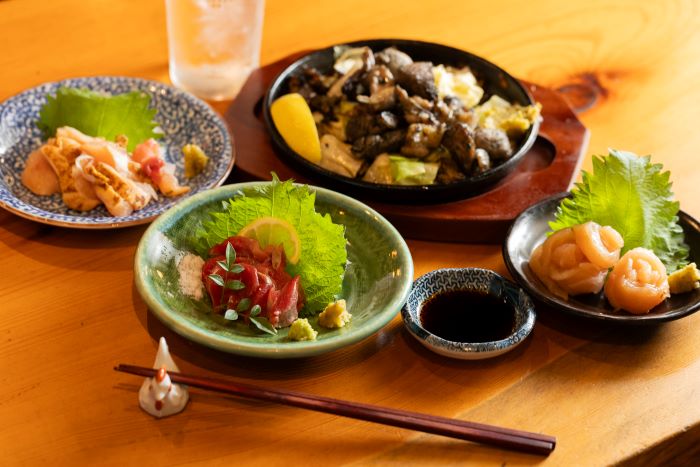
377	279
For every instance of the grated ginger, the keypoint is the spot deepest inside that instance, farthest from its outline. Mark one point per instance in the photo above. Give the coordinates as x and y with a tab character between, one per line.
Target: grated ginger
195	160
335	315
685	279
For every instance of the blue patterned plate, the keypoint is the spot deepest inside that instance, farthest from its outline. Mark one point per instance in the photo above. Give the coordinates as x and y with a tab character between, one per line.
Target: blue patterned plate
477	280
182	117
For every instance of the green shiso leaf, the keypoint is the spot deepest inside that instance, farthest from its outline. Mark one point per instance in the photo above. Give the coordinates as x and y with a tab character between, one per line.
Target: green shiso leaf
632	195
323	256
98	114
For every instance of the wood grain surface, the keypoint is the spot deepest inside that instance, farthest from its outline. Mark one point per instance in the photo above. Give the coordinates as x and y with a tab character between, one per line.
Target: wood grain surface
70	311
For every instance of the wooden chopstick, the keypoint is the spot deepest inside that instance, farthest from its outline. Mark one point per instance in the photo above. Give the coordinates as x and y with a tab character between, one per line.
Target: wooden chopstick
469	431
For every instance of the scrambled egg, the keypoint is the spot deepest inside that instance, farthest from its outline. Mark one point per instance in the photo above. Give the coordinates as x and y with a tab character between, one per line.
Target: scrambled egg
684	280
514	119
301	330
195	160
459	83
335	315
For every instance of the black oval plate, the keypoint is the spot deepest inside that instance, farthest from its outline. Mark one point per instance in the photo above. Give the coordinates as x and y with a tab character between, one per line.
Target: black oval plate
530	229
494	81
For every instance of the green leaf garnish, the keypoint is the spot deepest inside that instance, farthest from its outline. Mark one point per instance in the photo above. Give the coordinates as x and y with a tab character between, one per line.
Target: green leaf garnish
244	304
255	311
236	269
323	256
223	265
231	315
235	285
632	195
230	256
264	325
217	279
98	114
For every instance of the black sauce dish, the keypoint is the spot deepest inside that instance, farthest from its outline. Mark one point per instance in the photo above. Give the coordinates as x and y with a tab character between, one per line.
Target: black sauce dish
496	319
493	79
530	229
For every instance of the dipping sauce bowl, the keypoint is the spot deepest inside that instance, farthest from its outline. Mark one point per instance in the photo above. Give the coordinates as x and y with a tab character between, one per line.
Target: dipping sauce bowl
468	313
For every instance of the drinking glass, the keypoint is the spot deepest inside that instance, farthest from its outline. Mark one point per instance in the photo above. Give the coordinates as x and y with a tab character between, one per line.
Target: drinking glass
213	44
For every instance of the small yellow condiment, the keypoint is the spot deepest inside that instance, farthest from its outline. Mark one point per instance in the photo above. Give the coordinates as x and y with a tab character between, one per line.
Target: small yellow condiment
195	160
684	280
301	330
335	315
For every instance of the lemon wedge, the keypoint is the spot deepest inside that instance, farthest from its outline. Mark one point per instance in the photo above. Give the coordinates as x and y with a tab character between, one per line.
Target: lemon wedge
293	119
274	231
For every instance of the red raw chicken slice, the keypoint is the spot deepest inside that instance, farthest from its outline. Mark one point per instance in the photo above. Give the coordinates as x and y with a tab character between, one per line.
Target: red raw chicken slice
249	277
267	284
282	306
150	155
248	251
260	296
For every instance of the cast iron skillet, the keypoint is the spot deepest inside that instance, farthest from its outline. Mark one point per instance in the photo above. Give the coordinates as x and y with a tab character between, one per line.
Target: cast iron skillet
494	80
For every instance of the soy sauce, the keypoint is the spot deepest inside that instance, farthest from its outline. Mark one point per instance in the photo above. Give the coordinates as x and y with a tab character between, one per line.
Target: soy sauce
467	316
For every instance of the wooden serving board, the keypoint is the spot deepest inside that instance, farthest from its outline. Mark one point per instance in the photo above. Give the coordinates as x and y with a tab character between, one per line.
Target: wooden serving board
547	169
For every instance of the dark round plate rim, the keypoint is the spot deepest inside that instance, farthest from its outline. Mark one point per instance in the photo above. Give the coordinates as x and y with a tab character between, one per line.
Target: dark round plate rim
116	222
544	296
453	191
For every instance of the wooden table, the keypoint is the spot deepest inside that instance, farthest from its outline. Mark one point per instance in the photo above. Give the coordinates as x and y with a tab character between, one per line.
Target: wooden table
70	311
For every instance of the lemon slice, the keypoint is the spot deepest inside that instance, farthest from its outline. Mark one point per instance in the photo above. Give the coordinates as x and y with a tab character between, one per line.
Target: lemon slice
274	231
294	121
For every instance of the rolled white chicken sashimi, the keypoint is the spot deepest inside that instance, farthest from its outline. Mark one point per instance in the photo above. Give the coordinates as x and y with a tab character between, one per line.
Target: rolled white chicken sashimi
575	260
600	244
638	282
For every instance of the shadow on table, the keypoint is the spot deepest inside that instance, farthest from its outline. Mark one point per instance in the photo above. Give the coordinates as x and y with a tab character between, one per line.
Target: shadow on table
23	232
619	351
595	330
200	356
626	350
